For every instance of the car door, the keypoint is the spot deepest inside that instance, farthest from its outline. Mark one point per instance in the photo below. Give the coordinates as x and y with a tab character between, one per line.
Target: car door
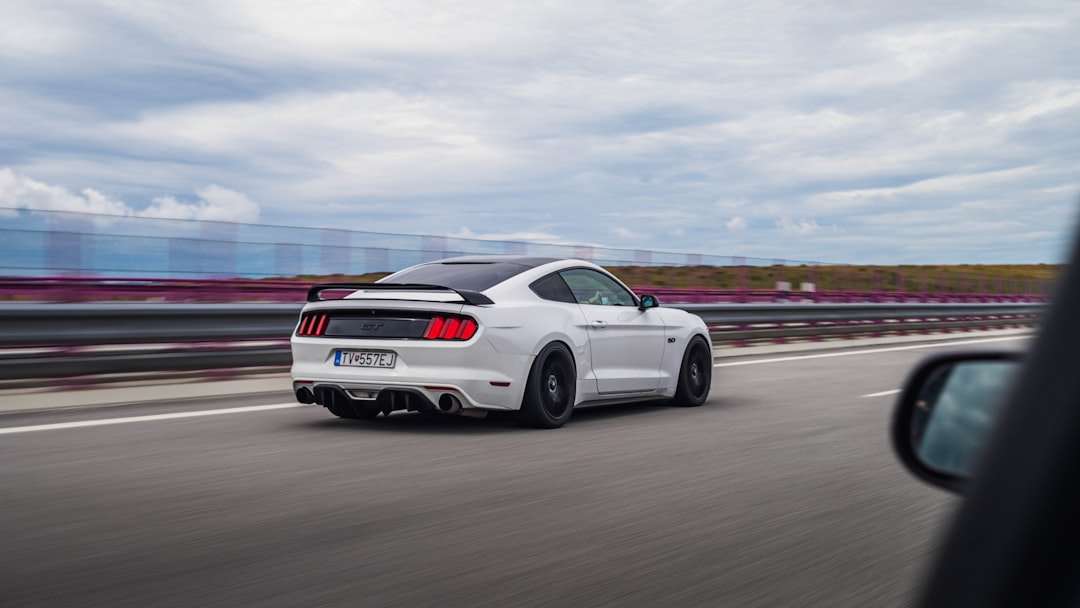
626	343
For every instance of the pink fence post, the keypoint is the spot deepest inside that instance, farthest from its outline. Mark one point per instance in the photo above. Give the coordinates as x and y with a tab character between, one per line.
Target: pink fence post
778	277
742	278
219	249
432	248
335	251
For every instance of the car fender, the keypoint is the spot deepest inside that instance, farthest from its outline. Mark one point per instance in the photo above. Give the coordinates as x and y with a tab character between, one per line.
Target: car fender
681	327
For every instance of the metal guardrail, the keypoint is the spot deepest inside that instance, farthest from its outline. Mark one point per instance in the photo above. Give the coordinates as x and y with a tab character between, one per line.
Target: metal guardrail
142	323
72	340
718	314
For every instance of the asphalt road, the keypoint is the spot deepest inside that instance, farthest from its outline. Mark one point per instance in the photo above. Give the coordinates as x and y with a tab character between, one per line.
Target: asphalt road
780	491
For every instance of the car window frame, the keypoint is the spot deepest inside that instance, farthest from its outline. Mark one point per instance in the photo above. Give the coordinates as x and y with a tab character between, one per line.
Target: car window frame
547	277
634	302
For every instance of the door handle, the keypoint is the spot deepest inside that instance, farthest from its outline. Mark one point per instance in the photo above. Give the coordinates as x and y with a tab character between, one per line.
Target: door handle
599	324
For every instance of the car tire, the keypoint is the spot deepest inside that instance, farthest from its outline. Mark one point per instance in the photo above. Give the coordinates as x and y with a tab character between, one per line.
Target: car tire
550	390
695	374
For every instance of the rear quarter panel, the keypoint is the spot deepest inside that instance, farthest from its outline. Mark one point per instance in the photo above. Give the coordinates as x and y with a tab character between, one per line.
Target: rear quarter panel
525	327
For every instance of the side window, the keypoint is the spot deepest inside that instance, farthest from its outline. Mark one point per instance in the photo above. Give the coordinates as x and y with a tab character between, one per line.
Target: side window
596	288
552	287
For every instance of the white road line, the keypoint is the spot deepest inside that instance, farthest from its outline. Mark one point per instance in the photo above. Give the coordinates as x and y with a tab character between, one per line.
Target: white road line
129	419
894	391
852	353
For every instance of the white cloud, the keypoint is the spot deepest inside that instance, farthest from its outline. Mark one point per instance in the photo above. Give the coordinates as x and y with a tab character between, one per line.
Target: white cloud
21	192
1039	99
937	186
800	227
625	233
661	120
215	203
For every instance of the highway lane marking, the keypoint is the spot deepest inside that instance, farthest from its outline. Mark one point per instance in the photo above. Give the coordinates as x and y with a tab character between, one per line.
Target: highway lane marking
871	351
150	418
894	391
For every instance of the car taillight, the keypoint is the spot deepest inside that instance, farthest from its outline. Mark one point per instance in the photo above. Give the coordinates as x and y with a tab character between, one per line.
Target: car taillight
450	328
313	324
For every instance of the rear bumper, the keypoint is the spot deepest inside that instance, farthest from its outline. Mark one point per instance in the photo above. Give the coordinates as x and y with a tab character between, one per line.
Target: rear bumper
471	372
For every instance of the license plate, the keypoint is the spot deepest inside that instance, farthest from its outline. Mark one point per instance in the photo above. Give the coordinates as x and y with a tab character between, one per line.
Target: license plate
364	358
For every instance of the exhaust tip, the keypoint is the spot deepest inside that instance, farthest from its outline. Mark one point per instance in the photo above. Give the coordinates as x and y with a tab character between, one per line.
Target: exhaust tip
304	395
449	404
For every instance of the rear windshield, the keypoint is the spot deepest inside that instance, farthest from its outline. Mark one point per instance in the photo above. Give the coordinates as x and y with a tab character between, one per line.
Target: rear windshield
464	276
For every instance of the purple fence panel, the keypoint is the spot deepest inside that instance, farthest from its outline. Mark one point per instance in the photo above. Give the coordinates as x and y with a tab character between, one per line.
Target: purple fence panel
433	248
515	248
65	252
335	251
211	290
288	259
583	253
376	259
185	257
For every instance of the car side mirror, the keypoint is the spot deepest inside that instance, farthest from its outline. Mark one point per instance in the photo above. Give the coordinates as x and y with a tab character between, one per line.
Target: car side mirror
648	302
946	412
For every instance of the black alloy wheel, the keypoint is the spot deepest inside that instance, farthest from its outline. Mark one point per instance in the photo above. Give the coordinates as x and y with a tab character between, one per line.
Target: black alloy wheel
550	390
554	389
695	375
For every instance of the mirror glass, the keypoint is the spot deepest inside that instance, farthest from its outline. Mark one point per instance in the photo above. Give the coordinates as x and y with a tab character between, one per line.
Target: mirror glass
955	410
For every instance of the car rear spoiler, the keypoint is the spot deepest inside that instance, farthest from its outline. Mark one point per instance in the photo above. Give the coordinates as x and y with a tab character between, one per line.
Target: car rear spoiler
474	298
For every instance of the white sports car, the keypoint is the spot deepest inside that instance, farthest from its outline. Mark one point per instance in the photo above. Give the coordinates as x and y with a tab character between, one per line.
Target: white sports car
464	335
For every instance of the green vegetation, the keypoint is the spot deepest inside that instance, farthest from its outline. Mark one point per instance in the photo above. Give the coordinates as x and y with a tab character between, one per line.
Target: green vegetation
964	278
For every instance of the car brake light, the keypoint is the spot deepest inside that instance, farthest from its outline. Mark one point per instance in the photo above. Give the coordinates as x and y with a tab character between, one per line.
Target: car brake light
450	332
434	328
468	329
313	324
450	328
439	327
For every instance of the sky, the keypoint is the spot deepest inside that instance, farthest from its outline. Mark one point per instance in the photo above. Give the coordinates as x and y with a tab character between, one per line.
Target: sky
834	131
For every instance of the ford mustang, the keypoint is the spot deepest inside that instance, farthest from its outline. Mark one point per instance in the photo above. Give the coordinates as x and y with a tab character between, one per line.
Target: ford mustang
467	335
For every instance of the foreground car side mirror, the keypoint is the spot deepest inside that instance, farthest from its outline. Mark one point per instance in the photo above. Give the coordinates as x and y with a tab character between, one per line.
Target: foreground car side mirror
648	302
946	411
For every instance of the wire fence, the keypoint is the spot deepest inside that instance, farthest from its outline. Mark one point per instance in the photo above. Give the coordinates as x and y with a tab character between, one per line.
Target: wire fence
37	243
